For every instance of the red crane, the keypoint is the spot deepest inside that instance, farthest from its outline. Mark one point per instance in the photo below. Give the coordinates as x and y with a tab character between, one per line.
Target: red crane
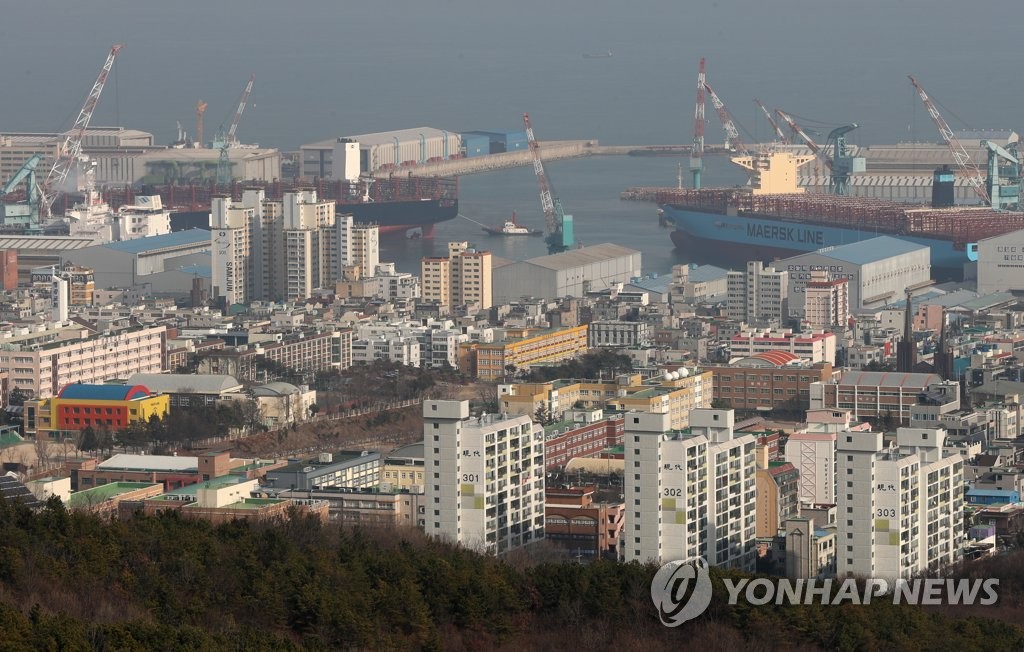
779	134
960	155
732	134
238	112
697	150
72	145
546	202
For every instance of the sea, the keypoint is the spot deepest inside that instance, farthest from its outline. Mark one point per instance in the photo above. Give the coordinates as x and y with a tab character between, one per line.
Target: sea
589	189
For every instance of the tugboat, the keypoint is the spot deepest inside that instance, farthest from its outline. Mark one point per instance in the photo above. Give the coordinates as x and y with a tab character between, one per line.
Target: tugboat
511	228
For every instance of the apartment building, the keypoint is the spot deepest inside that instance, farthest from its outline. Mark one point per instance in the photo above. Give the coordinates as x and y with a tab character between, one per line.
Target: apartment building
525	347
826	301
309	351
463	277
484	477
283	250
814	346
778	488
350	469
403	350
758	294
41	367
900	507
618	333
689	493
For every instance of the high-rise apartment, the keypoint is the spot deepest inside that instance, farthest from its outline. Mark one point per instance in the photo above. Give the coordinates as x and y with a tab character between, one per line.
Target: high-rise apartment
483	477
758	295
463	277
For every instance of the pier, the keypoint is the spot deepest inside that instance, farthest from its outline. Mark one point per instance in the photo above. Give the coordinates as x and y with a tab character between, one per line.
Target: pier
549	151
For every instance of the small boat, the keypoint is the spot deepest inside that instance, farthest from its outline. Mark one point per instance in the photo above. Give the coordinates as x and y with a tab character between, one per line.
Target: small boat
598	55
511	228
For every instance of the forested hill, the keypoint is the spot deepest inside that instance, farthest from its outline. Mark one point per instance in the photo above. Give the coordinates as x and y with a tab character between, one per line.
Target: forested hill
69	581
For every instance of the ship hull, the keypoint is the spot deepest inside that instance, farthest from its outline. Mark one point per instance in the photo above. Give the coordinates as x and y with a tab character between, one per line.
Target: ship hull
766	237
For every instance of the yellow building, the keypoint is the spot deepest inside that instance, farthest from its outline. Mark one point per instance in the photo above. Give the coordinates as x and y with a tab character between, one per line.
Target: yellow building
78	405
675	396
525	347
403	468
463	277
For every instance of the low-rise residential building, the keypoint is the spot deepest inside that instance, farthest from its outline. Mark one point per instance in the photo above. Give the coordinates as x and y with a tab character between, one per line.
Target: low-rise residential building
690	494
373	506
618	333
403	469
522	348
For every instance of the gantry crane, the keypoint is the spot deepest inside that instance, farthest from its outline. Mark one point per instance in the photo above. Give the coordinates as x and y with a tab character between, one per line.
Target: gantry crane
840	164
732	134
697	149
70	149
559	225
28	212
779	134
960	155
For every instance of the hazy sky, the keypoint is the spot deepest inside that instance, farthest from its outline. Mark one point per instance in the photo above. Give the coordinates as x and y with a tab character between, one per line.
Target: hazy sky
329	68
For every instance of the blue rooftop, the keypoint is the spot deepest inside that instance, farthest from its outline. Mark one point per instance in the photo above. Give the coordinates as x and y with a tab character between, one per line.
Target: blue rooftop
176	239
705	273
90	392
869	251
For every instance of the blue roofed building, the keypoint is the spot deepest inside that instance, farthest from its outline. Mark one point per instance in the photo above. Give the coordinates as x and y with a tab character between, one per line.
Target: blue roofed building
178	256
879	271
978	496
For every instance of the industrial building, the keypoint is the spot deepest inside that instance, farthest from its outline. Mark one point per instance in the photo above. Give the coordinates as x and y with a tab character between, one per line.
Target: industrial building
189	164
386	149
568	274
878	270
901	507
113	150
485	488
690	493
1001	263
127	264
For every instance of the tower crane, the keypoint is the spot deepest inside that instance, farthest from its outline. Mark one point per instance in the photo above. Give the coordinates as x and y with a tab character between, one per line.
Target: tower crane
960	155
779	134
840	164
697	149
72	145
559	225
732	134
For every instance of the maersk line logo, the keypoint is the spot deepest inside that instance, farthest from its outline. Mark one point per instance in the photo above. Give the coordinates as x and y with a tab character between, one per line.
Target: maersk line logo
786	234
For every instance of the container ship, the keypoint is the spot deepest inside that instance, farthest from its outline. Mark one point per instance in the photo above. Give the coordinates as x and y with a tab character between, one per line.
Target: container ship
396	205
772	217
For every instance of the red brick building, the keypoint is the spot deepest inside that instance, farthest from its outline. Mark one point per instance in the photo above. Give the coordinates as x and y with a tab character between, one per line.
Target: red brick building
576	520
768	381
9	268
584	434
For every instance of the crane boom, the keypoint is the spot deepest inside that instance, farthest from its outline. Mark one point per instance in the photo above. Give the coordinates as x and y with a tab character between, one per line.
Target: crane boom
241	107
732	134
775	125
960	155
72	145
546	203
697	149
803	136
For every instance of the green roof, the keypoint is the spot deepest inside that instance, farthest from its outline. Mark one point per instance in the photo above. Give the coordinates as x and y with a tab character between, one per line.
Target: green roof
215	483
253	503
104	492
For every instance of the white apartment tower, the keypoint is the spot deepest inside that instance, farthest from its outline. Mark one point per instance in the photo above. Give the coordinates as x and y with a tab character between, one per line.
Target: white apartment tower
758	295
484	477
826	301
900	507
283	250
690	493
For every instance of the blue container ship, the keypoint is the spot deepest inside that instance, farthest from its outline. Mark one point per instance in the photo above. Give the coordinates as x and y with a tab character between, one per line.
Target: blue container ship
766	224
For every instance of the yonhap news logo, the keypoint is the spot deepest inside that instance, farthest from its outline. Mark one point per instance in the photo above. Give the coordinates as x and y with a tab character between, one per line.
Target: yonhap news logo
681	591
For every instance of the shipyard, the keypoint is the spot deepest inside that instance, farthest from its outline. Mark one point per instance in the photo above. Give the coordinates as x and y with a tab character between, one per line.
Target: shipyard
469	327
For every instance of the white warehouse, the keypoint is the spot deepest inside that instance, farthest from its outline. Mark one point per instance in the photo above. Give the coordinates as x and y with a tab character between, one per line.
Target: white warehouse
879	271
381	149
568	274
